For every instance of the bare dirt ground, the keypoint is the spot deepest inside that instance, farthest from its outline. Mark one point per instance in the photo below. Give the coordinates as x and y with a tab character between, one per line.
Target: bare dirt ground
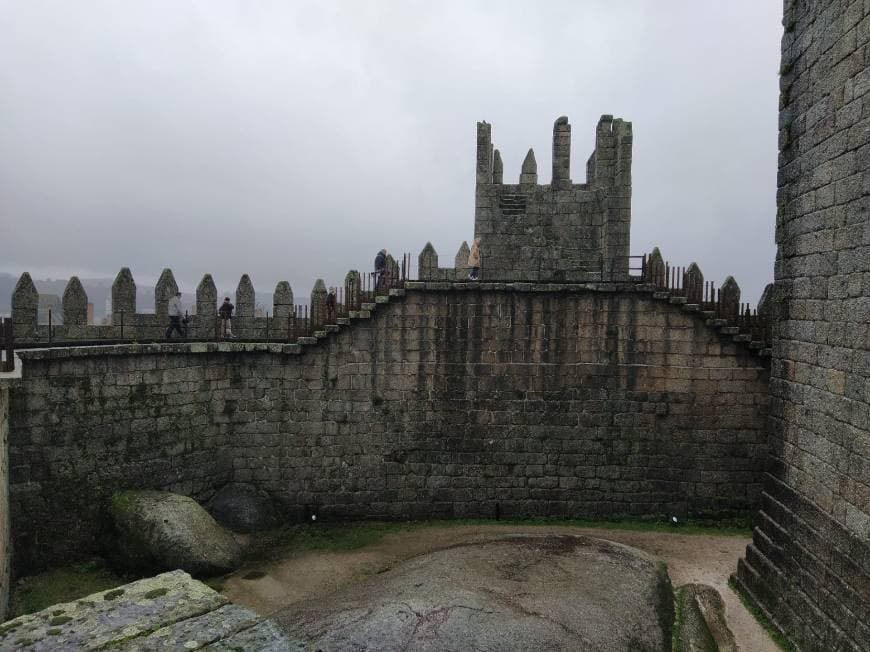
707	559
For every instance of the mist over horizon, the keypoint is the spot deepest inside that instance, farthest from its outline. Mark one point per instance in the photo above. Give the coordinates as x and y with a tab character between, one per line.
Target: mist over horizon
293	141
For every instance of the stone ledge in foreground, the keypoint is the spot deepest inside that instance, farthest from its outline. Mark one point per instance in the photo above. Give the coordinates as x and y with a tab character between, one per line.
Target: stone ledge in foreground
170	611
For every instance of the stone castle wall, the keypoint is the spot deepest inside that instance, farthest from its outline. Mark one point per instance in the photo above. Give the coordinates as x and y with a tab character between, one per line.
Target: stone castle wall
520	401
561	231
5	538
809	564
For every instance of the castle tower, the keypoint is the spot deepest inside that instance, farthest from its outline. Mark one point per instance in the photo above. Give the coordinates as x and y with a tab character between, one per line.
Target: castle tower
561	232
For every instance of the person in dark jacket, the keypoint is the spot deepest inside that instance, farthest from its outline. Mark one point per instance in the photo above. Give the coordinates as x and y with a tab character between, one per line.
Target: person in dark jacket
225	312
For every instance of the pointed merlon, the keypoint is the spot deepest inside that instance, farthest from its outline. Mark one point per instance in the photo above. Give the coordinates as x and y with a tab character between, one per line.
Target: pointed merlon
655	268
353	290
165	289
245	297
562	153
206	297
461	260
317	309
497	168
529	171
282	301
75	303
25	307
694	284
765	303
729	299
427	263
123	293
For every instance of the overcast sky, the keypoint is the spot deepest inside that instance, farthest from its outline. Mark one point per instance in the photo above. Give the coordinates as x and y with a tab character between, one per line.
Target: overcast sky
292	140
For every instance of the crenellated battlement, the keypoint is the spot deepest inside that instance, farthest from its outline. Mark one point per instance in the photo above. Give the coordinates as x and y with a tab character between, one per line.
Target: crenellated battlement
560	231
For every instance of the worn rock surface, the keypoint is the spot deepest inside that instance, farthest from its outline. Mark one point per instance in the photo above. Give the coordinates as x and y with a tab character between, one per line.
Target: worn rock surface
160	530
243	508
171	611
510	593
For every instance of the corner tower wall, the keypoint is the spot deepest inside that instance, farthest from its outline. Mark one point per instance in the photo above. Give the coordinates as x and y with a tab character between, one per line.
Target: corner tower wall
809	563
561	231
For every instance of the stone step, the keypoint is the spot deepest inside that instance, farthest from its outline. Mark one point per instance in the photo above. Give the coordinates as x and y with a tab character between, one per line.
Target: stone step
397	292
367	307
307	341
691	307
331	328
382	299
743	337
708	314
661	295
344	321
415	285
319	335
678	301
729	330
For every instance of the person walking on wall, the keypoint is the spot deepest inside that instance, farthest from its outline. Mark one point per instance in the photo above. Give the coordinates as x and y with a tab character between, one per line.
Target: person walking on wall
225	312
380	268
174	309
474	261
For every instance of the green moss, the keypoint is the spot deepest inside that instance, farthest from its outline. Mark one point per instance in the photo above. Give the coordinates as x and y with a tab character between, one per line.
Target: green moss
776	636
676	641
111	595
59	620
54	631
8	627
39	592
156	593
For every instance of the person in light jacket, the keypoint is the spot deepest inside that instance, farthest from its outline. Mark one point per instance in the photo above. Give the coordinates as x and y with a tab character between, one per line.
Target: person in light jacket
174	309
474	261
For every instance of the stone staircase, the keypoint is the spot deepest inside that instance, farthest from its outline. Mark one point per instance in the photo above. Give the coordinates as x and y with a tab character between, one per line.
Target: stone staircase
727	333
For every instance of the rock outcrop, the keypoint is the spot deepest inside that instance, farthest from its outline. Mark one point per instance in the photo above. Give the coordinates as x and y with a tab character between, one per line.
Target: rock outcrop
243	508
158	530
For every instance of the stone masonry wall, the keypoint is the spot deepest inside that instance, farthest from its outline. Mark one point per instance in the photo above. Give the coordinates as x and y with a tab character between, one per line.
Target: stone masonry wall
5	552
456	403
809	564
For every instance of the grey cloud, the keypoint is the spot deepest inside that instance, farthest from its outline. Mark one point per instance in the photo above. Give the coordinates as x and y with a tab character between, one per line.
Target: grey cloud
294	140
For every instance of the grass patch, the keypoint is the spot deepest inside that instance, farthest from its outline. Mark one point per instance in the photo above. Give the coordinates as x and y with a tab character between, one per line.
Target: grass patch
676	641
37	592
775	635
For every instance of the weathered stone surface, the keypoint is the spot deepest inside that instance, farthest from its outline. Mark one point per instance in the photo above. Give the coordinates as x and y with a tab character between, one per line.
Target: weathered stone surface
165	289
809	564
241	507
282	303
560	232
206	300
588	403
245	298
171	611
159	530
497	167
353	289
75	303
729	299
694	284
529	170
25	307
123	294
317	309
702	626
460	261
512	593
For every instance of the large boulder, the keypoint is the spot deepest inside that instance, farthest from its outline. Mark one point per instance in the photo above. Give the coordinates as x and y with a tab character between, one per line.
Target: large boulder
159	531
512	593
243	508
